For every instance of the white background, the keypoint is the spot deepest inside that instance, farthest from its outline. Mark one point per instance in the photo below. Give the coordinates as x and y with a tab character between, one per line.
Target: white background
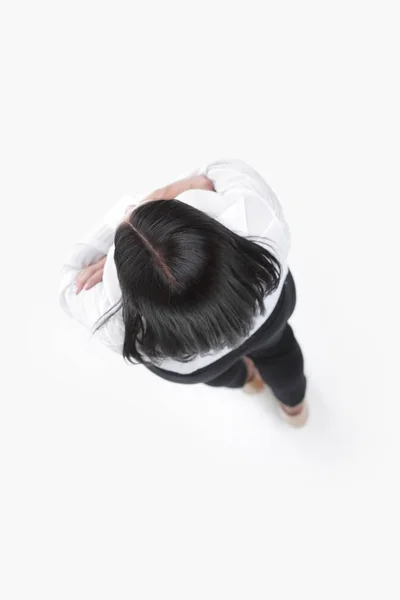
118	485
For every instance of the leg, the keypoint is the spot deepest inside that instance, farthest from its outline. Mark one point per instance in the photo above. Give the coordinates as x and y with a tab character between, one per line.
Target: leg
282	368
234	377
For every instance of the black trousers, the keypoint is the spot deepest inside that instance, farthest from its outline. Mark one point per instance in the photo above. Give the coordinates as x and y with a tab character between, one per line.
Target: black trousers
280	364
274	350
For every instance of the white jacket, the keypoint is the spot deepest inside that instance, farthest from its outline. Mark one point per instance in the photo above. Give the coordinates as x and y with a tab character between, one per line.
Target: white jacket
242	201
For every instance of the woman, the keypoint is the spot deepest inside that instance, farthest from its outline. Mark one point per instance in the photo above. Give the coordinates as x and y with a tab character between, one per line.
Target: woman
194	284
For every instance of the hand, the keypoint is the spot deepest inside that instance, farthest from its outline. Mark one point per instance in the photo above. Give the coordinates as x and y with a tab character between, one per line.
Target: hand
201	182
90	276
159	194
171	191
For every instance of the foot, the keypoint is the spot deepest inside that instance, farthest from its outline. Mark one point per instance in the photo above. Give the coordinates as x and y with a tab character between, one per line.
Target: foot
296	416
254	383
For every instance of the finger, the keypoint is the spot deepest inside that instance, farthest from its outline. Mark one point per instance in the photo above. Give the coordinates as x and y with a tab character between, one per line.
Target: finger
94	279
83	277
88	272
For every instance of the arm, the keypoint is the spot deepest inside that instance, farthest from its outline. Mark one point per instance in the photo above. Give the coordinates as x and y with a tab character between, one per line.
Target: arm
90	305
99	239
236	176
171	191
88	260
252	201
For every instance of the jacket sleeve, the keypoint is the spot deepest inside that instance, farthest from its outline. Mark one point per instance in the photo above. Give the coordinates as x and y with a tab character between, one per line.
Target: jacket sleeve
236	180
89	306
234	176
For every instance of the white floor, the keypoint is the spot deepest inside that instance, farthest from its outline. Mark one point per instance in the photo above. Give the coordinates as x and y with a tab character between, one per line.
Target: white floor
117	485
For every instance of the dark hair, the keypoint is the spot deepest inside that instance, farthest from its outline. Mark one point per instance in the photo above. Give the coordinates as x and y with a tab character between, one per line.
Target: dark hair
189	285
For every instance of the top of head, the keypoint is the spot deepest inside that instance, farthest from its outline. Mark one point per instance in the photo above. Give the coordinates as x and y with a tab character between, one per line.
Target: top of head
165	249
189	285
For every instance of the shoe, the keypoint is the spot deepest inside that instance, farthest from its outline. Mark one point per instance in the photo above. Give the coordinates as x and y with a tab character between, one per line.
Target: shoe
297	420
